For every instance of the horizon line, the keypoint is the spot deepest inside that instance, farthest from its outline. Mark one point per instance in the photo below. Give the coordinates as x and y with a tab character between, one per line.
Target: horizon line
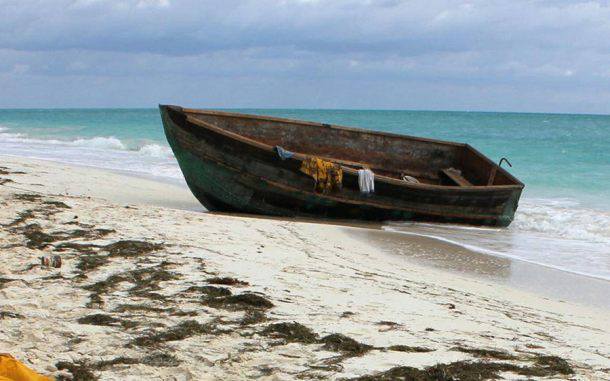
308	109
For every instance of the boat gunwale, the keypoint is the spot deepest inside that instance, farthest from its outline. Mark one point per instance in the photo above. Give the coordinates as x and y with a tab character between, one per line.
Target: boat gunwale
300	157
317	124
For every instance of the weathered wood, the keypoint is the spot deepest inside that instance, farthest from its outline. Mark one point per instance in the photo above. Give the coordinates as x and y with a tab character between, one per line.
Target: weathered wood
492	176
456	177
230	164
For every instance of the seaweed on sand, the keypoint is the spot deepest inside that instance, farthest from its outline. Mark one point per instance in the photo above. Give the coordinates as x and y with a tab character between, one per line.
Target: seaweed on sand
156	359
106	320
46	209
5	280
340	343
36	238
139	308
131	248
252	317
486	353
22	217
81	248
98	319
209	291
463	371
95	301
142	308
160	359
57	276
8	171
291	332
148	279
544	366
82	233
88	258
227	281
108	364
144	281
104	286
407	348
179	332
388	325
57	204
10	315
90	262
550	365
244	301
29	197
81	371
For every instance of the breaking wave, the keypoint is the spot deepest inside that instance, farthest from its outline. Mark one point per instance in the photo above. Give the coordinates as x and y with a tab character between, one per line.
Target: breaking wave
558	233
109	152
563	218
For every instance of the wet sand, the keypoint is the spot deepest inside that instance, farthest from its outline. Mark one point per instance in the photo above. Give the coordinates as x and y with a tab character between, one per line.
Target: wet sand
163	292
531	277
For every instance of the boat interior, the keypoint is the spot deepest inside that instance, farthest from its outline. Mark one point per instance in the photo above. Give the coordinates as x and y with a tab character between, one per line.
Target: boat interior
398	157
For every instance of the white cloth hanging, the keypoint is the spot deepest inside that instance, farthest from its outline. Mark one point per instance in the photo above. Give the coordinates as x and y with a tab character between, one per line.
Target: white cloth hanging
366	181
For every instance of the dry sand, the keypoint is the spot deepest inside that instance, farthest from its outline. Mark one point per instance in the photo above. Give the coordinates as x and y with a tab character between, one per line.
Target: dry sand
152	292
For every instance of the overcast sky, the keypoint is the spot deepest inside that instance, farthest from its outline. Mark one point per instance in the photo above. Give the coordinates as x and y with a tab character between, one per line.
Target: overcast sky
550	56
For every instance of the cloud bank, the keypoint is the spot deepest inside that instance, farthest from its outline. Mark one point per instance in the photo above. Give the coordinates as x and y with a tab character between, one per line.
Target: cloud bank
469	55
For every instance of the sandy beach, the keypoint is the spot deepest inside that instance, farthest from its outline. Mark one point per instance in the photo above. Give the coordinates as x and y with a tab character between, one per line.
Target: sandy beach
152	288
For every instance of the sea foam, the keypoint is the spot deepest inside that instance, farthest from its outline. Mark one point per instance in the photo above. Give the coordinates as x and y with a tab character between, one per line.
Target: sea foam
557	233
106	152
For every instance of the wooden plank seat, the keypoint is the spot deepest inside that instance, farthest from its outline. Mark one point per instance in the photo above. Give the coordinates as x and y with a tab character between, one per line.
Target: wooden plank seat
456	176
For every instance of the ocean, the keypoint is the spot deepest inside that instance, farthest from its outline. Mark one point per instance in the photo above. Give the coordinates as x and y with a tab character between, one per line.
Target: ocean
563	220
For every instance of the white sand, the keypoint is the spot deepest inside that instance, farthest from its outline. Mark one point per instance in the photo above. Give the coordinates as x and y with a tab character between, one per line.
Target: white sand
317	275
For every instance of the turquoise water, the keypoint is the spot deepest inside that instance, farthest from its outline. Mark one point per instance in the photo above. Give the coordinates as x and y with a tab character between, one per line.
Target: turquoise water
555	155
564	160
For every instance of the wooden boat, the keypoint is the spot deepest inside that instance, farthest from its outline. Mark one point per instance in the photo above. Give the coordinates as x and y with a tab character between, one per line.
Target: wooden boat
230	163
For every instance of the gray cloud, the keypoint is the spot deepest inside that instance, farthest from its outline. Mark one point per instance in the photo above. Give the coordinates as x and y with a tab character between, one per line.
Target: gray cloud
548	55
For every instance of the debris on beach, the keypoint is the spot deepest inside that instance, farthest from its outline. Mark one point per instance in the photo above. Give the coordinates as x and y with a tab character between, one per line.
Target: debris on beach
244	301
181	331
227	281
344	344
131	248
291	333
152	300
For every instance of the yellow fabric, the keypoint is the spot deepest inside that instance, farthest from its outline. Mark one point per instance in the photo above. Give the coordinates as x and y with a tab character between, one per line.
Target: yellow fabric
13	370
327	175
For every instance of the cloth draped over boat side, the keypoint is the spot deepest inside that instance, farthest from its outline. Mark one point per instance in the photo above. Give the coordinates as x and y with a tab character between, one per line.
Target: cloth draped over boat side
283	153
328	176
13	370
366	181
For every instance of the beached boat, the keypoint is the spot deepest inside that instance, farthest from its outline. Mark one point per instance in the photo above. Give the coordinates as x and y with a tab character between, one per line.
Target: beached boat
231	163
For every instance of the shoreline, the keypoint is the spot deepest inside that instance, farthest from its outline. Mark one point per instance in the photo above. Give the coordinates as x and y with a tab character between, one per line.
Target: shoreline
539	279
106	184
166	293
544	280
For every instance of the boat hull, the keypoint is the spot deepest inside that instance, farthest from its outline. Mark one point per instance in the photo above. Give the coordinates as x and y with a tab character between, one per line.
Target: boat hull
230	176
